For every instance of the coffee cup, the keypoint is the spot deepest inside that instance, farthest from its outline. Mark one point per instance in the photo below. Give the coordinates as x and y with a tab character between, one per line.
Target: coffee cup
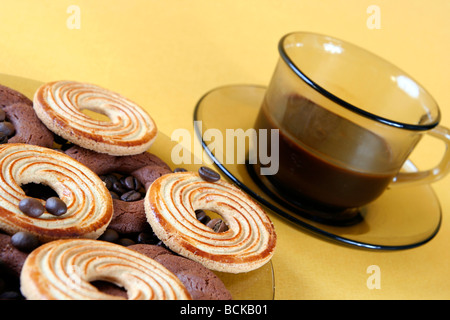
347	120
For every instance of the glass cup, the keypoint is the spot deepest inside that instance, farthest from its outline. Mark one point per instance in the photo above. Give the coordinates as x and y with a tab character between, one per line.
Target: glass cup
348	120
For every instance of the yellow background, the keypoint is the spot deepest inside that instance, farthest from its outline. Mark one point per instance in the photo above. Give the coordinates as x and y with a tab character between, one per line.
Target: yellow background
165	54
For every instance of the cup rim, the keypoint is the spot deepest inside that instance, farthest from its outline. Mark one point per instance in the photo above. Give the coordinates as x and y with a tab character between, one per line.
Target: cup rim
397	124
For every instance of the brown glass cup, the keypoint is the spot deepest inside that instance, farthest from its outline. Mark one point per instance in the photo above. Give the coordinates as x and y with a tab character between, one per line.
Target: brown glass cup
348	120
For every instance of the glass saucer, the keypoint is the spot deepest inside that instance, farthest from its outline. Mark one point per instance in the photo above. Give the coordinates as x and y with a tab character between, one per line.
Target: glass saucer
402	218
258	284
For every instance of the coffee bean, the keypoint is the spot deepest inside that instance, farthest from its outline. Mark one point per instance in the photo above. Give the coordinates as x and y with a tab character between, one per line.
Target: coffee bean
7	128
109	180
114	195
217	225
208	174
131	183
147	238
24	241
3	138
202	216
109	235
55	206
31	207
126	242
130	196
179	170
118	188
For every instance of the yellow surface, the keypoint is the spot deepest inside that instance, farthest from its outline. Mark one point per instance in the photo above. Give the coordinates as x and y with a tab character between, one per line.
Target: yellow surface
165	54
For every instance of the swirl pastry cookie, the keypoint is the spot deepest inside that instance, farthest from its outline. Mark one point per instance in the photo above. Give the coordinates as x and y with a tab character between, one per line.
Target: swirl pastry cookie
170	205
59	106
63	270
89	204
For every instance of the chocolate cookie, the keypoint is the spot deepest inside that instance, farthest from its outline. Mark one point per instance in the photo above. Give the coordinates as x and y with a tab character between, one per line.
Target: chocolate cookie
201	282
19	112
9	96
11	257
129	216
28	128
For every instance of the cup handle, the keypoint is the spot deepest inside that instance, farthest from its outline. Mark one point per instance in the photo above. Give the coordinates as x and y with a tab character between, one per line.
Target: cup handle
431	175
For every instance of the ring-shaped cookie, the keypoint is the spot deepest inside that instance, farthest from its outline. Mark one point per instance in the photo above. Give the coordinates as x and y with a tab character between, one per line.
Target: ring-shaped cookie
28	128
170	206
19	111
64	270
59	106
89	204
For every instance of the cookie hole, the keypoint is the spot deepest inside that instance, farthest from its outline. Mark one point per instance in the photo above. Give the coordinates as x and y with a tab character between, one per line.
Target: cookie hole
95	115
211	219
38	190
110	288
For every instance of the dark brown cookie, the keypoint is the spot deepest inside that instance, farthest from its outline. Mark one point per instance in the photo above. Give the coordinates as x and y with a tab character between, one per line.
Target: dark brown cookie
202	283
19	111
28	128
11	257
129	217
9	96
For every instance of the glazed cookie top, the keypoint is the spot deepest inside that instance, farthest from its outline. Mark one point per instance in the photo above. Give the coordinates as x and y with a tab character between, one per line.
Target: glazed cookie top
63	270
89	204
247	243
60	104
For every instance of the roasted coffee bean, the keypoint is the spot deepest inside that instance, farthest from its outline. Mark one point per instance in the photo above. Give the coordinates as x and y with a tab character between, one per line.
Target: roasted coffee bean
109	180
208	174
202	216
31	207
131	183
118	188
126	242
217	225
130	196
55	206
24	241
114	195
3	138
179	170
110	235
7	128
147	238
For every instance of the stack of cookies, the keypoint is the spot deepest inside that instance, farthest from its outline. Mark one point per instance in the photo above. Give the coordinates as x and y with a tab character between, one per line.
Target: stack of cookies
85	209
